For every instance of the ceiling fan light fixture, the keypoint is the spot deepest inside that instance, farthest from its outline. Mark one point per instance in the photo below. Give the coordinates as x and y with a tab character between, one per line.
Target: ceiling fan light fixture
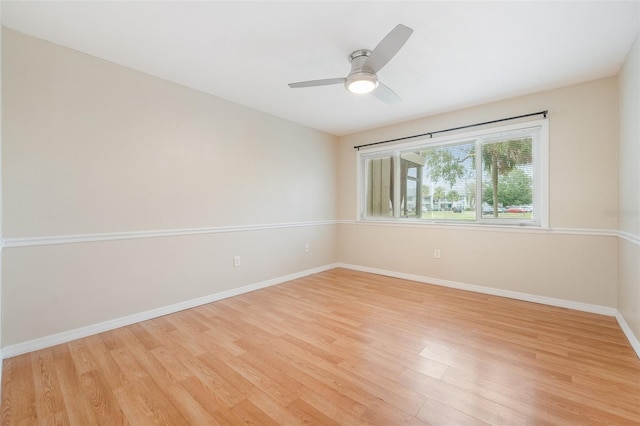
361	82
365	64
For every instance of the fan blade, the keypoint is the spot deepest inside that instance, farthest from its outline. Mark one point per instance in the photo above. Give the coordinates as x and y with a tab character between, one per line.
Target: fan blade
387	48
386	95
313	83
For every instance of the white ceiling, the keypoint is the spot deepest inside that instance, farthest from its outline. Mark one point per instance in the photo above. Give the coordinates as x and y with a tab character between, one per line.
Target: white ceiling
460	54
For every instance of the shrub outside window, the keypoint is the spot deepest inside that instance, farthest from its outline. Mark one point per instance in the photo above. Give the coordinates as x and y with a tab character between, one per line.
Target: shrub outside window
496	176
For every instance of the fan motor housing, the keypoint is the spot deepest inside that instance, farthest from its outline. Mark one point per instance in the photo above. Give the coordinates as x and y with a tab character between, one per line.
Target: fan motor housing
358	59
360	79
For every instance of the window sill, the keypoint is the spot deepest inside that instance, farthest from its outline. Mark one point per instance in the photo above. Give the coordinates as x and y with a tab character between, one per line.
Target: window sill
476	226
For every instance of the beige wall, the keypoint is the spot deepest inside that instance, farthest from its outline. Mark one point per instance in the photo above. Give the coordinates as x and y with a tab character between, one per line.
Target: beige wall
538	264
629	158
583	187
629	193
91	147
94	147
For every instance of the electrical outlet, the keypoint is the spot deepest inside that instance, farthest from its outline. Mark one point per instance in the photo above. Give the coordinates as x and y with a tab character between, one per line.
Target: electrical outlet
307	248
436	253
236	261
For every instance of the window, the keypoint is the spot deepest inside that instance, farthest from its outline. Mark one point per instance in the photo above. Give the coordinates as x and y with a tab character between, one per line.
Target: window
496	176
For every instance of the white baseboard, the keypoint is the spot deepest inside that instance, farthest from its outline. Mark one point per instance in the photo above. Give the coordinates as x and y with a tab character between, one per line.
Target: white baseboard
633	340
552	301
67	336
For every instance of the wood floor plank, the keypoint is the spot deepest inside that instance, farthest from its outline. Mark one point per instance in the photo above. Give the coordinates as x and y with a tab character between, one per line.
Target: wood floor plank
135	409
273	407
382	413
100	396
206	397
261	377
471	402
189	407
170	363
81	357
224	391
252	415
47	388
437	413
295	377
24	402
78	408
338	347
99	348
19	399
310	415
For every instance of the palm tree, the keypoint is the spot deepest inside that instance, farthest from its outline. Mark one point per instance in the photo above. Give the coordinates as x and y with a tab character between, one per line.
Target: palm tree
502	157
439	194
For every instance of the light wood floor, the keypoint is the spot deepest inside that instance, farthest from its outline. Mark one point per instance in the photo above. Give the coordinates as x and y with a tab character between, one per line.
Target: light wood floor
340	347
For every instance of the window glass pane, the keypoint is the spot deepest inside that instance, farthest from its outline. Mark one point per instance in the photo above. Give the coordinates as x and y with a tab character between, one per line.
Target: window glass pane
449	182
409	203
411	164
379	191
507	179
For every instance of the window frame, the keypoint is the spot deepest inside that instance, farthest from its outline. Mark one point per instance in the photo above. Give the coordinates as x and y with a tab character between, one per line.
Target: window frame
540	162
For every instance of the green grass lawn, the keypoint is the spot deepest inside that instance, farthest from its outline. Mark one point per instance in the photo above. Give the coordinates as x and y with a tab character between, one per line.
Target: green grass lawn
471	215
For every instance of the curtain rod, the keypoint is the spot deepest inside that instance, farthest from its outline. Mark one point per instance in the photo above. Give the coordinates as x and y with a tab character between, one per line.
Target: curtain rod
430	134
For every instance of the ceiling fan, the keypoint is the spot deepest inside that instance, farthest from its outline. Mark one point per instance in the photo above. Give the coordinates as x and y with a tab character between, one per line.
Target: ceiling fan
365	64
